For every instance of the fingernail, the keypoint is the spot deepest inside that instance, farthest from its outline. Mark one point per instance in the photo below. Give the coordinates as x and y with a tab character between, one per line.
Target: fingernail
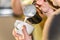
23	27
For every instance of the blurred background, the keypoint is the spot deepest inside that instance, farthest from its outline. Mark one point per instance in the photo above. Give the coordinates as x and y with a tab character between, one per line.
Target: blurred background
6	20
5	8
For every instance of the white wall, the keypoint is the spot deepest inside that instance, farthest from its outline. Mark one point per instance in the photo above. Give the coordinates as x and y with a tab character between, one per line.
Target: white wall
5	3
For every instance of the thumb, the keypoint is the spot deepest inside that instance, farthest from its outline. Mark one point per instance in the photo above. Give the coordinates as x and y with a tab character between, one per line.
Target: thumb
25	31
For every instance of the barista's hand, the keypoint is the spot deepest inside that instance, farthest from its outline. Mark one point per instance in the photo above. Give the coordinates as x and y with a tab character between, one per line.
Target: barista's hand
20	37
16	6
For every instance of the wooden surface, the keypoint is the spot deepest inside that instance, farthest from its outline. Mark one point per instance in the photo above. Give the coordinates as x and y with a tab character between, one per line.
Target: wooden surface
6	27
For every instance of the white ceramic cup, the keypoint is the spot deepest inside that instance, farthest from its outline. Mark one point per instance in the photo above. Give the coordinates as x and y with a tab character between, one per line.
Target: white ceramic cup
19	25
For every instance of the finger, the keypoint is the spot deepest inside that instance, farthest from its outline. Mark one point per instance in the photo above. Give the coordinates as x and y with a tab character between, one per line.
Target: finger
21	38
16	34
24	31
30	36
